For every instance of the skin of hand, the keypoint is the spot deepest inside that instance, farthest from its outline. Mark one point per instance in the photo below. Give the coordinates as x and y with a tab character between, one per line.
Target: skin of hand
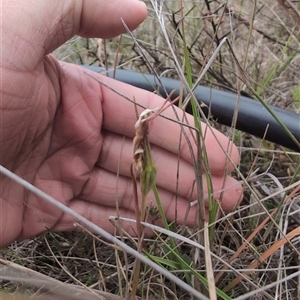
69	135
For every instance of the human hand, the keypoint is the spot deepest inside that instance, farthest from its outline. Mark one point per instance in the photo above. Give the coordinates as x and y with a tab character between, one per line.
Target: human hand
69	135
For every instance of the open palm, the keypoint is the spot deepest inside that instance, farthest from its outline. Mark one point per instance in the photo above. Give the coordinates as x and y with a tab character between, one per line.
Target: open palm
69	135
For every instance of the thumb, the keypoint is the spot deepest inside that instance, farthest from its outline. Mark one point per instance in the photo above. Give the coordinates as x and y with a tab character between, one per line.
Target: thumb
48	24
92	18
103	18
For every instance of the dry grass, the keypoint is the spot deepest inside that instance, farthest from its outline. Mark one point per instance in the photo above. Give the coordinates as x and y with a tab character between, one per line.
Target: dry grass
261	238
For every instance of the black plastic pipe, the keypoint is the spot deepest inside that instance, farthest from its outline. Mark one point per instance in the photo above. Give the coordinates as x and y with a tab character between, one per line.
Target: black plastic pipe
252	117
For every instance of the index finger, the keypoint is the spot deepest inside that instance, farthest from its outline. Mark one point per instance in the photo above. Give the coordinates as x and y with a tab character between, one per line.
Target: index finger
119	116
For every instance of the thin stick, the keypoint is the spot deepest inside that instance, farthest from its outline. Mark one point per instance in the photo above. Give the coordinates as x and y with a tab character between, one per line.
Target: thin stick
98	230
